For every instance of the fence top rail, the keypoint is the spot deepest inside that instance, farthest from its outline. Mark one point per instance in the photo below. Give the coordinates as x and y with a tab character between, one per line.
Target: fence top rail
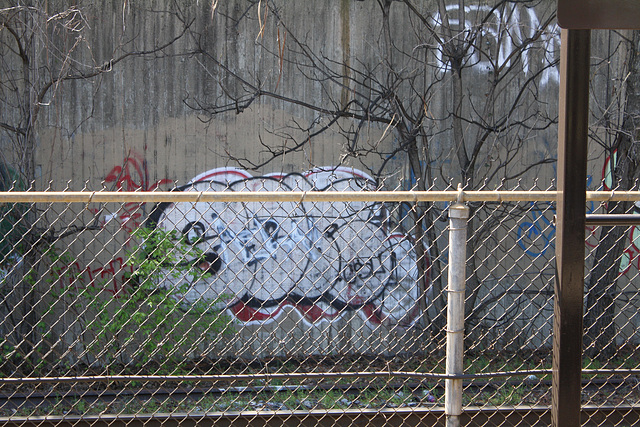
301	196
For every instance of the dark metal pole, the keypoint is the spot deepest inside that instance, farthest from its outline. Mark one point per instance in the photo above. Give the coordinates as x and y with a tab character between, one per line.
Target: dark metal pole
623	220
571	202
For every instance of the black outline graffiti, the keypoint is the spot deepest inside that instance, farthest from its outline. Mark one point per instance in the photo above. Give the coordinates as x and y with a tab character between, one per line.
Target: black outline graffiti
382	264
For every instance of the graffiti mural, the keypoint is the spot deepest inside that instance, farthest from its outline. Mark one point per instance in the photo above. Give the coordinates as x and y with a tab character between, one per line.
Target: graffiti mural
131	176
537	235
505	30
323	259
110	278
631	255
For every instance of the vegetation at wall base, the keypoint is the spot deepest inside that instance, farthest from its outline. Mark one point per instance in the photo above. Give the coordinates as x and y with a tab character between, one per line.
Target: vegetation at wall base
144	328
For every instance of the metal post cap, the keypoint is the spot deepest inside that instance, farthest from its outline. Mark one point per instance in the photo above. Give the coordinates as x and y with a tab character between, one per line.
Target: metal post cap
458	211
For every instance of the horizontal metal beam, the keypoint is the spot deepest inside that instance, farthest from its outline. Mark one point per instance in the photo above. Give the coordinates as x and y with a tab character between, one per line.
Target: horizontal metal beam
302	196
598	220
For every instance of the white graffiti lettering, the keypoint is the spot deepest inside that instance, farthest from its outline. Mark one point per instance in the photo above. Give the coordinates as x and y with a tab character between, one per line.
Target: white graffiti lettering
503	31
323	258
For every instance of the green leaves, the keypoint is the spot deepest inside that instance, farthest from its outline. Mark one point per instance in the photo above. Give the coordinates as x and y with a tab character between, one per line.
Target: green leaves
149	323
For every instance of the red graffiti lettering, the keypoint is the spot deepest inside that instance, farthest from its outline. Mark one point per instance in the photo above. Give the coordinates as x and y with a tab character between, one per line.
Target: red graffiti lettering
132	176
110	278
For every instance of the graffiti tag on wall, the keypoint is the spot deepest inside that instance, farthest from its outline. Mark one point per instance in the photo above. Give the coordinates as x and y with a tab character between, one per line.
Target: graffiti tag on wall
537	236
323	259
504	31
109	278
131	176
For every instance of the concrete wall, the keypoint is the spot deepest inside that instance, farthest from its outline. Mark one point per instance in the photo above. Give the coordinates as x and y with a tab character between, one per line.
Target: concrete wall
142	105
144	124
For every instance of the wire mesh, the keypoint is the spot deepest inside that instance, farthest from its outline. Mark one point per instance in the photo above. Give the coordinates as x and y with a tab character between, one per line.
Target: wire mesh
611	319
255	307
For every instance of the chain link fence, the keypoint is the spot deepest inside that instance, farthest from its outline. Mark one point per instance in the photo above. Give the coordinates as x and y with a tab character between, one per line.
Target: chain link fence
256	298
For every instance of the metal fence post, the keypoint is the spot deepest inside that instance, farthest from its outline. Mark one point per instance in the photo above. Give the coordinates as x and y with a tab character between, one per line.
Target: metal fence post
458	215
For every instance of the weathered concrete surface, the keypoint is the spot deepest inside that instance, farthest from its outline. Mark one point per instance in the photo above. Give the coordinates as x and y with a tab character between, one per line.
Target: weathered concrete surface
144	105
142	125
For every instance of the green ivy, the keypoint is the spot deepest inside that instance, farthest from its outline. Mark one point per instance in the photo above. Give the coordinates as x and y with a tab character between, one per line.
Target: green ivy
149	324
